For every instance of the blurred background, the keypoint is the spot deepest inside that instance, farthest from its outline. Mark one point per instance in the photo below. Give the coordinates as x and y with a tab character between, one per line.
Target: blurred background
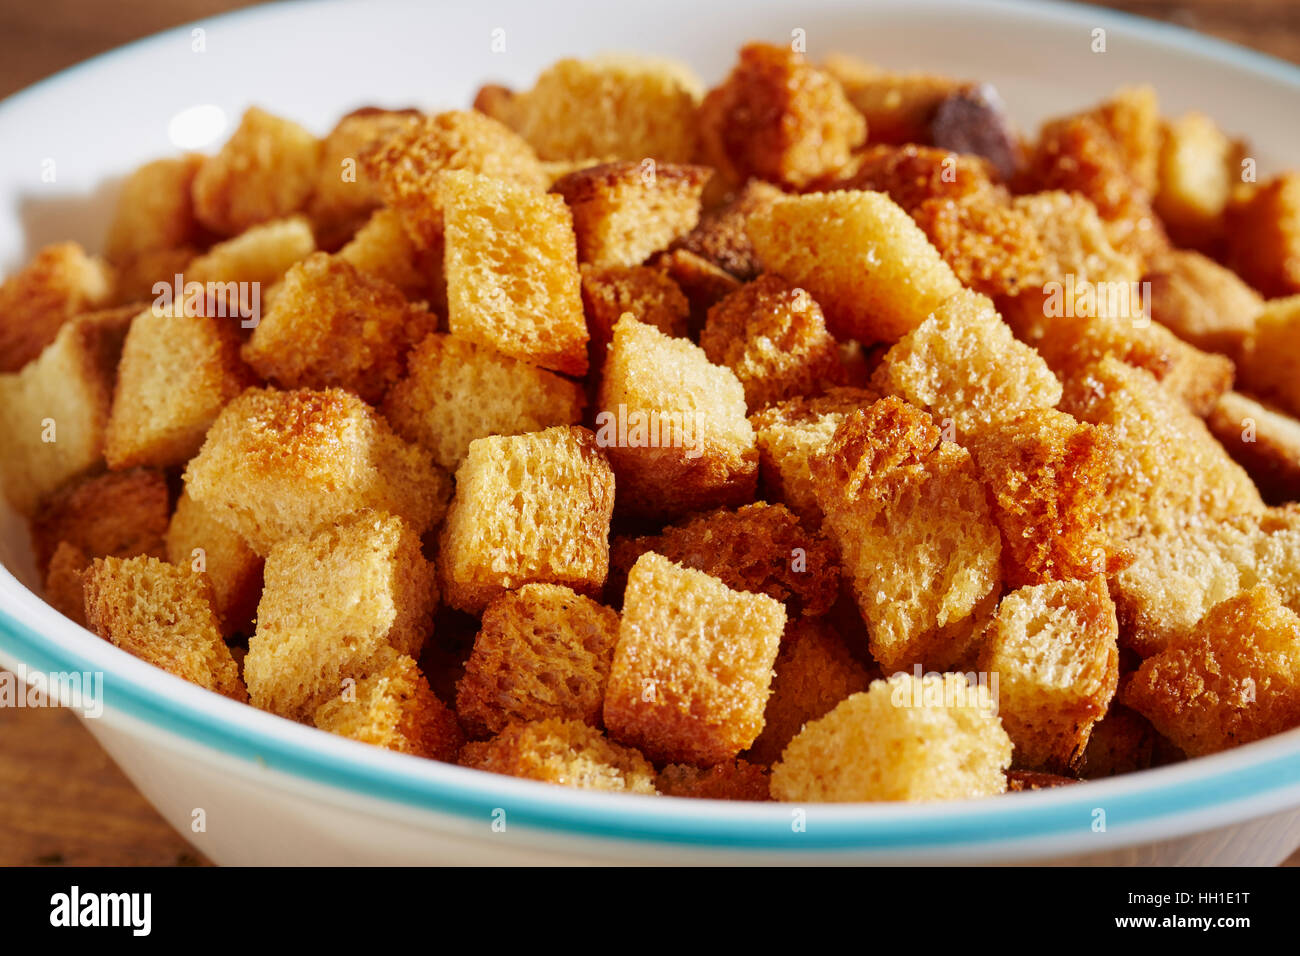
62	801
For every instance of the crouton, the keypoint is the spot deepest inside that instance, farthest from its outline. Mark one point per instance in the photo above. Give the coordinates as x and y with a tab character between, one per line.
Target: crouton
790	433
1196	172
733	780
155	210
161	614
1019	781
1263	227
36	301
1046	475
703	283
1166	467
631	108
778	118
1270	363
721	237
1231	679
528	508
134	282
335	605
496	101
1121	742
1074	240
332	325
773	337
266	170
512	272
120	514
964	367
564	752
259	256
543	651
759	548
1054	648
673	425
277	464
1202	302
990	245
1264	441
63	588
1132	118
197	540
898	107
648	293
906	738
915	534
693	665
814	672
912	174
178	370
624	212
381	248
394	708
860	256
456	391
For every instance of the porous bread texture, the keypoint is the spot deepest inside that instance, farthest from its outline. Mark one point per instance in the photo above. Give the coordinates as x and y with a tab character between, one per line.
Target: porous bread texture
276	464
564	752
904	739
195	539
154	211
703	283
528	508
121	514
733	780
721	237
1202	302
542	651
1054	648
1263	228
913	174
693	664
259	256
1263	440
161	614
381	248
335	604
1270	364
647	293
63	588
1121	742
60	281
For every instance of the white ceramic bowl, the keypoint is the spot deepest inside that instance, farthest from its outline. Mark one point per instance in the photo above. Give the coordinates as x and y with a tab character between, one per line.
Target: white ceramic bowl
275	792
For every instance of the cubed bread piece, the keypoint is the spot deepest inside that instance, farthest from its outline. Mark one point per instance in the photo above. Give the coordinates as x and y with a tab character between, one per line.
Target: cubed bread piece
648	293
1264	441
178	370
759	548
863	259
260	256
790	434
673	425
394	708
60	282
1132	118
964	366
197	540
456	391
916	537
1046	474
1270	364
1074	241
266	170
543	651
565	752
1054	648
332	325
693	665
773	336
1202	302
721	236
625	212
121	514
1264	235
1121	742
163	615
63	588
155	210
912	174
627	107
335	605
512	272
779	118
703	283
528	508
277	464
1167	468
381	248
409	165
814	671
898	107
1196	171
733	780
1231	679
906	738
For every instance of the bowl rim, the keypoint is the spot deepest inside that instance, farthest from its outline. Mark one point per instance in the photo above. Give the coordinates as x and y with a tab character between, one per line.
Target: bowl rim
1253	779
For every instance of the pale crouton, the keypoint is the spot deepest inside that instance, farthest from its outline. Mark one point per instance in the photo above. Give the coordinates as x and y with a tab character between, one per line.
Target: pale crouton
1264	236
693	665
1264	441
1196	172
733	780
648	293
721	237
60	282
259	256
63	587
564	752
1202	302
1270	364
898	107
154	211
381	248
197	540
120	514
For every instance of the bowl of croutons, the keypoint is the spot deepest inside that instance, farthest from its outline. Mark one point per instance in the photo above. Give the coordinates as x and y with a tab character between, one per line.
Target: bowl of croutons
533	434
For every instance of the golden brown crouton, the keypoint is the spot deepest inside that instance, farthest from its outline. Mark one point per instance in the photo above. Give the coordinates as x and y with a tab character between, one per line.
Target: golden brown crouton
154	211
36	301
258	256
1019	781
759	548
773	336
1270	363
512	272
693	665
565	752
381	248
1264	236
648	293
1121	742
63	588
907	738
533	507
1202	302
673	425
990	245
1231	679
1074	240
898	107
1264	441
912	174
915	533
860	256
277	464
335	605
161	614
543	651
703	283
1132	118
394	708
1054	648
120	514
1197	169
721	237
625	212
456	391
265	171
733	780
197	540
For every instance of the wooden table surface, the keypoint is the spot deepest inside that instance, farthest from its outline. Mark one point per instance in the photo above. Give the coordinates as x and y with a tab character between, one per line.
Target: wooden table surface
62	801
